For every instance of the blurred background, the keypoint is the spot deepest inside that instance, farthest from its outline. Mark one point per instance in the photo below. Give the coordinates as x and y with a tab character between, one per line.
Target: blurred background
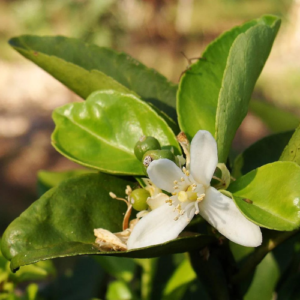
160	33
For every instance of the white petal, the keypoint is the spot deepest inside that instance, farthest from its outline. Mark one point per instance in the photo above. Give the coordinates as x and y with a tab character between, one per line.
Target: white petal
157	227
163	173
204	157
157	201
222	213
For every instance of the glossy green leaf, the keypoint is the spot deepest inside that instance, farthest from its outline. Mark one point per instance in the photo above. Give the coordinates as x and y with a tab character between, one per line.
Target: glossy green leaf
62	221
177	285
264	151
292	151
276	119
270	195
49	179
214	92
38	271
101	133
86	68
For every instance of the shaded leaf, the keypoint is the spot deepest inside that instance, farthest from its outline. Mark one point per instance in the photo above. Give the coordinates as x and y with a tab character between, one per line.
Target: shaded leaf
264	151
62	221
69	285
119	290
270	195
86	68
49	179
276	119
214	92
101	133
118	267
292	151
265	279
180	280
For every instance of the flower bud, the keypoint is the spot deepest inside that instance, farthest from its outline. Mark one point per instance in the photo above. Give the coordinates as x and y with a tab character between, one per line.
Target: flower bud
151	155
138	199
145	144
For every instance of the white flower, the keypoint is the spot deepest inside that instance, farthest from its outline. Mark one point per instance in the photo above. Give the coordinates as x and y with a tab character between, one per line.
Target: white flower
192	194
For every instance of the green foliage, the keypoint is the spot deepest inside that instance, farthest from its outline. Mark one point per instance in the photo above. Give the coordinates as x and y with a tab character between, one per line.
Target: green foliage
269	195
265	151
62	221
49	179
276	119
177	285
87	68
119	290
126	100
108	125
214	92
292	150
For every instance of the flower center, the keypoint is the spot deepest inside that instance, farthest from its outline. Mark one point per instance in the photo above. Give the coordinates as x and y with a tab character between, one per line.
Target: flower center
186	196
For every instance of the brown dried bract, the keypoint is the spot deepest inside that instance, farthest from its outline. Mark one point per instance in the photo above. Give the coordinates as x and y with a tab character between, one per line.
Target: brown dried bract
108	241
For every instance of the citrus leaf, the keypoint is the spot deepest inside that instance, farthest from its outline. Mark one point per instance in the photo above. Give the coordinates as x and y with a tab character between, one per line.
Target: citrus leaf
264	151
101	132
270	195
49	179
62	221
292	151
276	119
85	68
214	92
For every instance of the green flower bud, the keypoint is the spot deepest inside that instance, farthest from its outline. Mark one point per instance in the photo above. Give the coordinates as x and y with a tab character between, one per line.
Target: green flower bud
138	199
151	155
145	144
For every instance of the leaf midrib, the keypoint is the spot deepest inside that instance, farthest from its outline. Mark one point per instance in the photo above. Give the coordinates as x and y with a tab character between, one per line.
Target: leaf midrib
113	145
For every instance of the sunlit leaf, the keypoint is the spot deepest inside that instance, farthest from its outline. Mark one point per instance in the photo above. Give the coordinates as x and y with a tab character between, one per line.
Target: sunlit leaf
86	68
101	133
270	195
214	92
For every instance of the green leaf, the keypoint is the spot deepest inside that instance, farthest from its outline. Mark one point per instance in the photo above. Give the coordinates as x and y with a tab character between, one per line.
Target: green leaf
270	195
81	272
264	151
214	92
38	271
276	119
292	151
177	285
86	68
32	292
264	281
119	290
118	267
50	179
101	133
62	221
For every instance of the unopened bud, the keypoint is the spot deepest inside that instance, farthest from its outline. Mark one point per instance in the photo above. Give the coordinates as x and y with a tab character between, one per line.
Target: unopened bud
145	144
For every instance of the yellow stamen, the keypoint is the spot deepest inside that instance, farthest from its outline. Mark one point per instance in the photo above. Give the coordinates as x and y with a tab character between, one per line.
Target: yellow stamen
182	196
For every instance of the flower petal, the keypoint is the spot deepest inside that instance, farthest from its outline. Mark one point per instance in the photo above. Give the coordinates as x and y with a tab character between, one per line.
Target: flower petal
222	213
157	227
204	157
163	173
157	201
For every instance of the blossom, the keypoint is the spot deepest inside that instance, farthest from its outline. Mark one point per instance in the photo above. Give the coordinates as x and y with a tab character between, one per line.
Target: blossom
192	194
